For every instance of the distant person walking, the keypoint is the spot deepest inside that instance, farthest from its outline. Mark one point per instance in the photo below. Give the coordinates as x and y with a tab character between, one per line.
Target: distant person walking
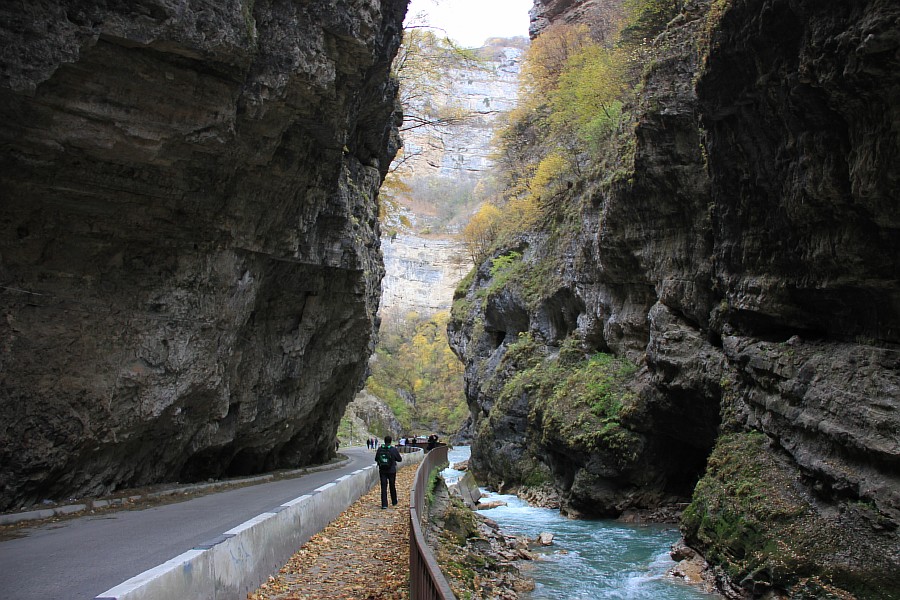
387	457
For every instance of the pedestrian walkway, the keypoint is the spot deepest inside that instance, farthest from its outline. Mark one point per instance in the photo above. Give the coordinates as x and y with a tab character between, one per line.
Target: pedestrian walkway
361	555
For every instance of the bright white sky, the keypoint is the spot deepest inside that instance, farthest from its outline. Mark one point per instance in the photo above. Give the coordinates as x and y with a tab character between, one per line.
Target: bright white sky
470	22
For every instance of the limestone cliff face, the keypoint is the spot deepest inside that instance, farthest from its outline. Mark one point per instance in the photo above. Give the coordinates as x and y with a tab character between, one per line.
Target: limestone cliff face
190	264
483	92
420	274
746	263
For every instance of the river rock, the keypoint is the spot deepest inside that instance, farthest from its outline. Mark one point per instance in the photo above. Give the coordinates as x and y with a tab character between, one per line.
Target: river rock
544	539
681	551
544	496
467	489
486	505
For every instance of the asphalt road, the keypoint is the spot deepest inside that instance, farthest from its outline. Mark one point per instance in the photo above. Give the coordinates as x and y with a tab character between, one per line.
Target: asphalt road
80	558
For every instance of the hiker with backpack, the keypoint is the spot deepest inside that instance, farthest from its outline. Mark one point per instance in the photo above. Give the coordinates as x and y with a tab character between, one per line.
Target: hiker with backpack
387	457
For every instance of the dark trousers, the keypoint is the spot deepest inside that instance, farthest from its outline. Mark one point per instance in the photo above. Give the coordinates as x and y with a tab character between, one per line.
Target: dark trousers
387	478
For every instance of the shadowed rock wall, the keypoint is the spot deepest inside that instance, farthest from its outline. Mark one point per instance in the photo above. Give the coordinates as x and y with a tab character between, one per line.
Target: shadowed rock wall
190	267
746	262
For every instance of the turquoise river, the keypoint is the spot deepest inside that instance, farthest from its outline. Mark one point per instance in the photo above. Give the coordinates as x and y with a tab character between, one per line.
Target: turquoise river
590	559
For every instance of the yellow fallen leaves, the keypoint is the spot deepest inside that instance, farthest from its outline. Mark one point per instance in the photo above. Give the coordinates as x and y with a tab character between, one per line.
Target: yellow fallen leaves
361	555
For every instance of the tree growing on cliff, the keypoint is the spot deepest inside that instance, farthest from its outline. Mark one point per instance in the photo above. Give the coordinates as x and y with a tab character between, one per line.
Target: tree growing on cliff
424	64
480	232
576	82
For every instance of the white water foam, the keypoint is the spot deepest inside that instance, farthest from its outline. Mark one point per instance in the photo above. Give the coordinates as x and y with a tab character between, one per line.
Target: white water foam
592	560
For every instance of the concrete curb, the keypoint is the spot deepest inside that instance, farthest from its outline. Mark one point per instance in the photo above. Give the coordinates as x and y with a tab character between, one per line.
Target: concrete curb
69	509
239	560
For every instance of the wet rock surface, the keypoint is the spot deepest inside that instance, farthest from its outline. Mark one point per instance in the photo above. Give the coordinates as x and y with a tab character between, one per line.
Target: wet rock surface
191	266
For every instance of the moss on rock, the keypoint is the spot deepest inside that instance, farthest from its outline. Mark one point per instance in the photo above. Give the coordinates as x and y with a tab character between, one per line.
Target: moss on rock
751	516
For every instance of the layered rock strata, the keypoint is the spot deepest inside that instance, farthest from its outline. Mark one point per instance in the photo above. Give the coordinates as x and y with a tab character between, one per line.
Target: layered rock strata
746	263
190	264
420	274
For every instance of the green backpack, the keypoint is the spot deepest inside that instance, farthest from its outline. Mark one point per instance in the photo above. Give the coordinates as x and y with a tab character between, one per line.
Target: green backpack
384	458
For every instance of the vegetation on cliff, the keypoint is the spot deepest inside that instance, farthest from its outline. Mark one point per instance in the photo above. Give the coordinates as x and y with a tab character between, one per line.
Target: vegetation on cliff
753	519
569	140
416	374
572	120
693	227
579	401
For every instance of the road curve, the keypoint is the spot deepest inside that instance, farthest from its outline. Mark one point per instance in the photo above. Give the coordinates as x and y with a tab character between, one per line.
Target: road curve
80	558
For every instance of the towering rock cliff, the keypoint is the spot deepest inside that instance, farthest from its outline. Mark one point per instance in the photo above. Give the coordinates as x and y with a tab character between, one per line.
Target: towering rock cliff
741	267
190	266
421	271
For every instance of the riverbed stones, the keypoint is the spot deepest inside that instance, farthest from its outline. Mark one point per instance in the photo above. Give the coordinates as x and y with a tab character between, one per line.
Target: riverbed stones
466	488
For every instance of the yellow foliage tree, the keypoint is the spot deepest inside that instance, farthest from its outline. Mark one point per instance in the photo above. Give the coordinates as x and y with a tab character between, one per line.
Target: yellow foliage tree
416	373
481	231
550	175
548	55
590	89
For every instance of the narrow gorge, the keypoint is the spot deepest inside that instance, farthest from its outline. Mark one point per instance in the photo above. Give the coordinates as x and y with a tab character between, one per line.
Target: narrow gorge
701	316
710	319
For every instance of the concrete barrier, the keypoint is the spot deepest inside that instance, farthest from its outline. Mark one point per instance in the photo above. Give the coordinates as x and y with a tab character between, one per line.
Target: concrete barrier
239	560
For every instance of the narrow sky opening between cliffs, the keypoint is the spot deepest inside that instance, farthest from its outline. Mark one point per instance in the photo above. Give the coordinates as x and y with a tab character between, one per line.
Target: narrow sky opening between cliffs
471	22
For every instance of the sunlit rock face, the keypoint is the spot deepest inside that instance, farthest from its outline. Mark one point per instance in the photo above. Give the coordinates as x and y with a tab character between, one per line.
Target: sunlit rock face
748	265
420	274
483	91
190	263
422	271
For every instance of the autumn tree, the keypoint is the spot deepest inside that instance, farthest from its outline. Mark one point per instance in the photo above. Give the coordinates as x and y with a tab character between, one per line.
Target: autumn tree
416	373
424	63
575	82
481	231
548	56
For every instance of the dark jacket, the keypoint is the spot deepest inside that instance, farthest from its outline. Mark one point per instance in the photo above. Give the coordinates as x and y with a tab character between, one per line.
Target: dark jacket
397	458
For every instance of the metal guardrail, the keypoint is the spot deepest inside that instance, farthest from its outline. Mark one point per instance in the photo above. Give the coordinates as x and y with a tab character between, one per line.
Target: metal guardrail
426	582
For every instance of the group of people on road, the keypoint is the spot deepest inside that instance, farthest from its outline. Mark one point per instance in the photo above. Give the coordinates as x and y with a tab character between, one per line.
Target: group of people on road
432	441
